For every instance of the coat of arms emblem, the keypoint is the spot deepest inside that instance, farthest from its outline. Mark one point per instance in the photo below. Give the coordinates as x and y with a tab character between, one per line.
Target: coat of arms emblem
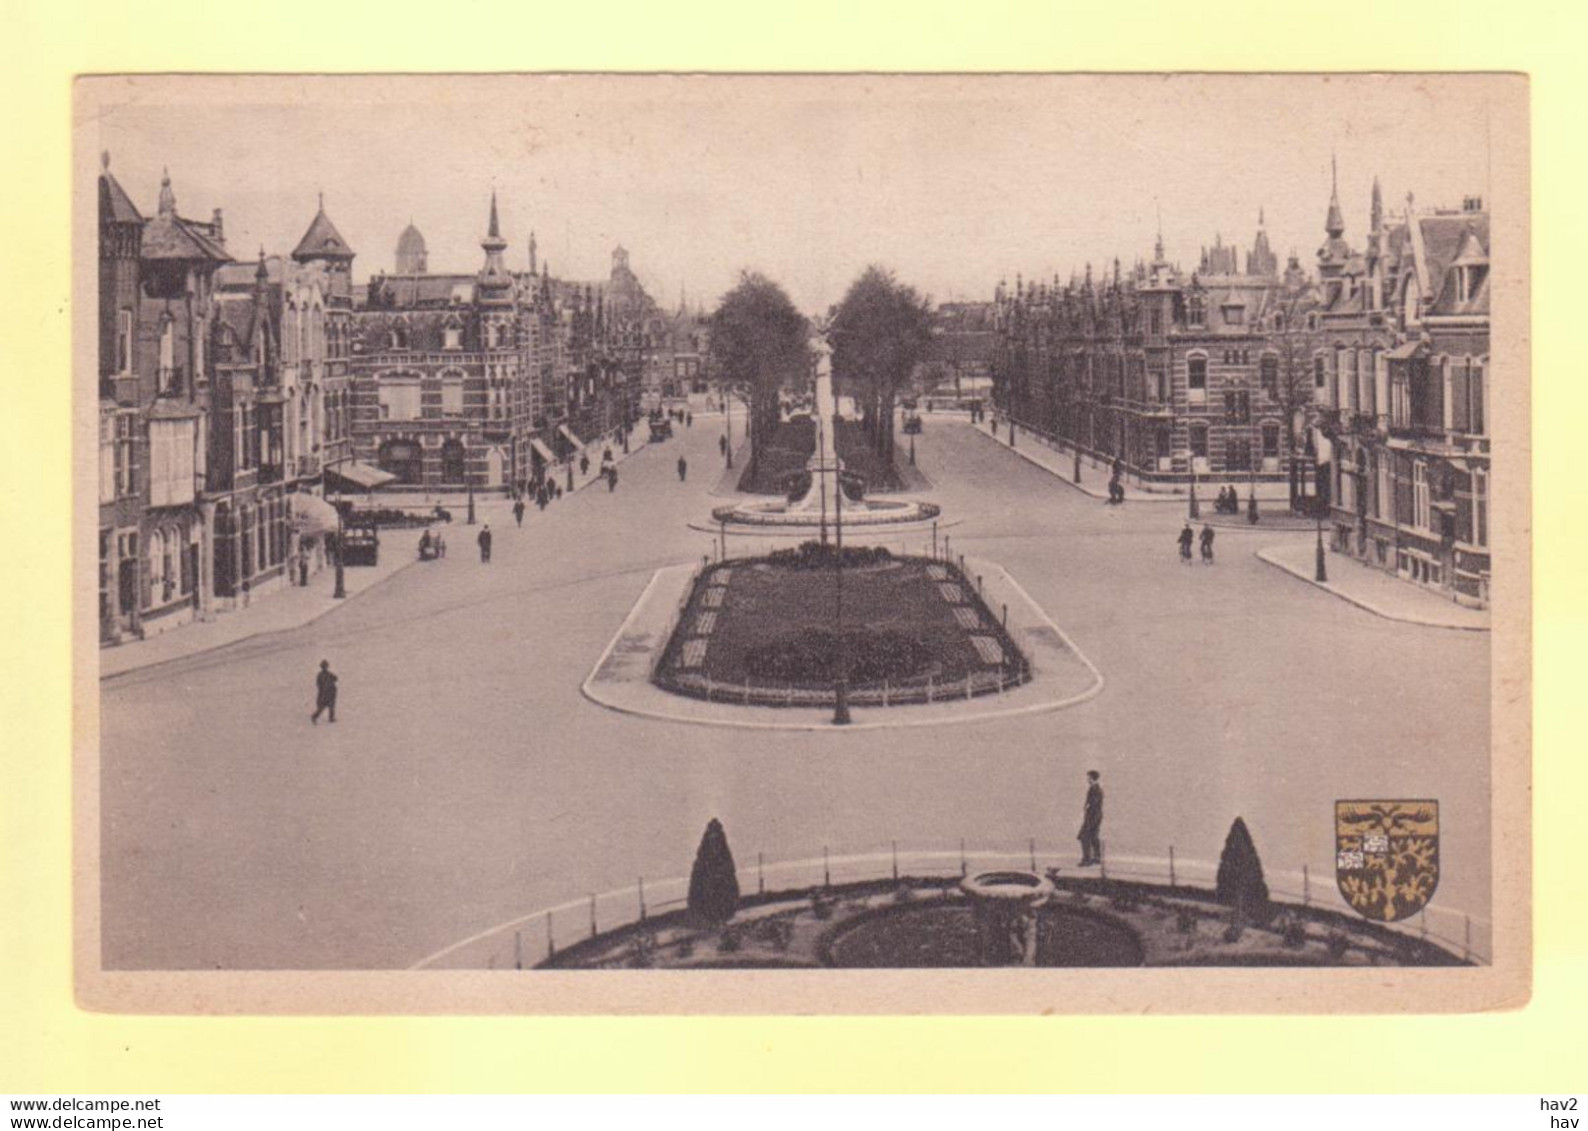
1386	856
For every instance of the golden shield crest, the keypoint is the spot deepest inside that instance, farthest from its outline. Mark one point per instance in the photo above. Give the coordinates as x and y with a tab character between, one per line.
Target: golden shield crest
1386	856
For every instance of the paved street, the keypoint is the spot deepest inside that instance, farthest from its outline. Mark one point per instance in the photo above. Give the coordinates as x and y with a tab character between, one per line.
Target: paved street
236	835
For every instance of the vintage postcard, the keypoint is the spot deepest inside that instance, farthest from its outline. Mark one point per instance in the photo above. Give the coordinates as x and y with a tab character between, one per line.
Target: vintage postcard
805	544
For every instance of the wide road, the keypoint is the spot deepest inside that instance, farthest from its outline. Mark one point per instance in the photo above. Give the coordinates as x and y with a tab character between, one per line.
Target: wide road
469	782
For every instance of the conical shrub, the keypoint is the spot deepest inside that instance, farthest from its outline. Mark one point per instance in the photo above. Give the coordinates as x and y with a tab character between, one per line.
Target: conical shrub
1241	885
713	882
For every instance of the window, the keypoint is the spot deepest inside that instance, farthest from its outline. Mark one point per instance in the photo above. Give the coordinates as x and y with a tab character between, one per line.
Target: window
126	454
167	375
1422	514
1270	441
170	462
123	343
1383	498
1234	315
1476	391
1199	441
1237	454
1480	508
156	558
1197	378
452	338
107	457
1269	374
1155	321
1196	310
1160	384
1318	370
452	394
399	398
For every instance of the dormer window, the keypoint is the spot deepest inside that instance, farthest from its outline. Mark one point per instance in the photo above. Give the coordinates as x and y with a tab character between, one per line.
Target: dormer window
452	338
1234	315
1196	310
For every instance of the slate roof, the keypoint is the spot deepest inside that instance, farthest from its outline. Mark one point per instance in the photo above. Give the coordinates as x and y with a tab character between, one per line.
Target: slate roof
322	239
115	206
172	237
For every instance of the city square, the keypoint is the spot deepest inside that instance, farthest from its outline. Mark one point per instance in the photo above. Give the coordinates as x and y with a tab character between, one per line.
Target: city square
445	597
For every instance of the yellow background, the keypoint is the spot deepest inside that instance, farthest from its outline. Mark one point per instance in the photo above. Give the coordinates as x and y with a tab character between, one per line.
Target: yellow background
47	1045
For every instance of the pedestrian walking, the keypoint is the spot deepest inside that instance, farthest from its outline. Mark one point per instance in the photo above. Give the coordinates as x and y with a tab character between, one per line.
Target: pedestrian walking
324	692
584	463
485	542
689	420
683	468
1091	834
1207	544
540	496
612	479
518	511
303	569
1186	538
722	445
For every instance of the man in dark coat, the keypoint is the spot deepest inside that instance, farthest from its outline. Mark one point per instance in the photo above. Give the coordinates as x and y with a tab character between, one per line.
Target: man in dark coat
1091	834
518	511
722	445
324	692
1207	544
1186	538
683	468
485	542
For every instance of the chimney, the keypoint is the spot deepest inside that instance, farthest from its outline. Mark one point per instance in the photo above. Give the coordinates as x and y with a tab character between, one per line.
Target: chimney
1472	204
220	229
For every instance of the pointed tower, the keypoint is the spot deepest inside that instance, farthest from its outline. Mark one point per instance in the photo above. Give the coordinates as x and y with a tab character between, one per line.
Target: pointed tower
532	247
1334	225
120	244
1261	260
494	284
322	243
167	207
1335	252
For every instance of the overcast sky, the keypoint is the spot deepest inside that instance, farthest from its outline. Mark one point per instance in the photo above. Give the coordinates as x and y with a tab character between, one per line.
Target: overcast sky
953	183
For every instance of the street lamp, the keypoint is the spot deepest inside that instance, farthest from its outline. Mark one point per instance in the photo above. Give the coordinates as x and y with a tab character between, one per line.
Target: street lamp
1195	511
1322	572
912	449
470	483
841	688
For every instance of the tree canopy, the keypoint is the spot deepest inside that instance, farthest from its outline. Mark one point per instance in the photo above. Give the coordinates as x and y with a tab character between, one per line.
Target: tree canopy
713	881
759	344
879	333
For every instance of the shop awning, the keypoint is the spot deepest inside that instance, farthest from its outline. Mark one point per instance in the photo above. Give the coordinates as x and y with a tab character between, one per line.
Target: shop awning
542	451
567	434
360	475
311	514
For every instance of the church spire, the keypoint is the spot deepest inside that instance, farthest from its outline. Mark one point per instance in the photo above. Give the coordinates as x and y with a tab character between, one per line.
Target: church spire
1335	224
167	196
1378	205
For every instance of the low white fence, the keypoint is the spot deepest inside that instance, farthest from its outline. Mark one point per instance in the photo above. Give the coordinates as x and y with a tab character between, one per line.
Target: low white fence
521	943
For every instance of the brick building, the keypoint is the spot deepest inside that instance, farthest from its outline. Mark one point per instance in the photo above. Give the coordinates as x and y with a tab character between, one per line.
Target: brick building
1402	362
156	277
1179	376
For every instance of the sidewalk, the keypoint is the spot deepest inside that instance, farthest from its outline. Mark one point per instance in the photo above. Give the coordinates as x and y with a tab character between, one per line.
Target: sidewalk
295	607
1094	473
1380	593
275	612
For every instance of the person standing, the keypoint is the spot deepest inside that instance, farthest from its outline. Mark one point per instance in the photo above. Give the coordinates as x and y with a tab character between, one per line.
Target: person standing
689	420
683	468
485	542
1091	834
1207	544
722	445
324	692
518	511
1186	538
612	479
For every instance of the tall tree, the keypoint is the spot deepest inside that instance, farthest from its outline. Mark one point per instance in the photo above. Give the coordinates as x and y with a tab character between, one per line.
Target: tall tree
759	344
879	333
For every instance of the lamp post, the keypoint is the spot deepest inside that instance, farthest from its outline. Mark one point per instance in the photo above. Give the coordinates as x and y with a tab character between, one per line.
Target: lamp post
1322	572
841	688
912	449
727	423
340	591
1195	511
470	483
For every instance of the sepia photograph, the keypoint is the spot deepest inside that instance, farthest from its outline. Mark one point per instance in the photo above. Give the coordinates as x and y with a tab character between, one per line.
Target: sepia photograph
669	543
